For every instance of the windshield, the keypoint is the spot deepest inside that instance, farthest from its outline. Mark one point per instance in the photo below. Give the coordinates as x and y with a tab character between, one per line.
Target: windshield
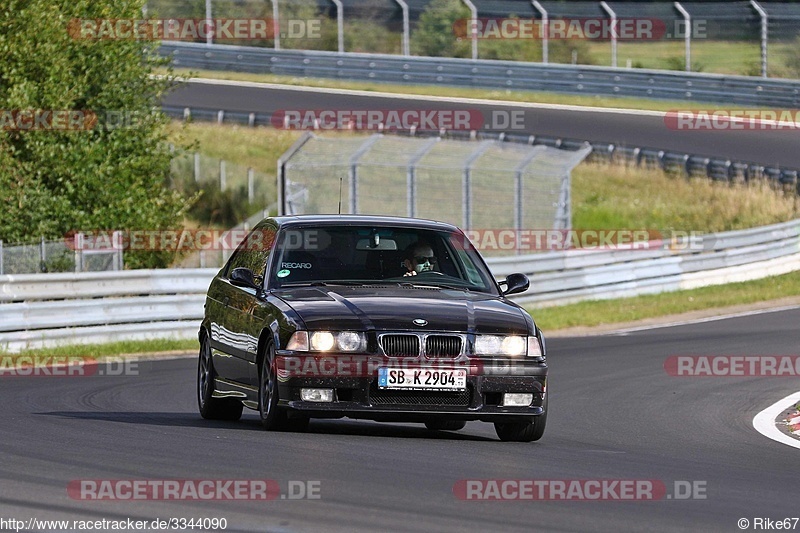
356	255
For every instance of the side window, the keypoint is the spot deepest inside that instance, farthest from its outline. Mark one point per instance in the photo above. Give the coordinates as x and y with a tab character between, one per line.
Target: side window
255	261
254	251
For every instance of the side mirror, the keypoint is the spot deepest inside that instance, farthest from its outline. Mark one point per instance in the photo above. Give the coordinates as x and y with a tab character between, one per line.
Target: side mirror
516	283
243	277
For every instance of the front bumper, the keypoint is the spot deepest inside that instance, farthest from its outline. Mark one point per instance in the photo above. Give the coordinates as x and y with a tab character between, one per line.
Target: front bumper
354	379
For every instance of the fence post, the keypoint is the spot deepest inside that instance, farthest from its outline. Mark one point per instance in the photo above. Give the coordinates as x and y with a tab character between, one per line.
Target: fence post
77	245
613	16
688	37
545	30
251	186
197	167
210	34
340	23
473	27
1	257
276	25
406	33
222	176
119	262
42	256
764	35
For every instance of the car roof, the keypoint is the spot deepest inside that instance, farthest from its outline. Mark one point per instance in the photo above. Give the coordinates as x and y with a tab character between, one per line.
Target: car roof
360	220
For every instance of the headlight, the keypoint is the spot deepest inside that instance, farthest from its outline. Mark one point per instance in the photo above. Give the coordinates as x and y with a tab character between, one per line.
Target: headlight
351	341
500	345
322	341
325	341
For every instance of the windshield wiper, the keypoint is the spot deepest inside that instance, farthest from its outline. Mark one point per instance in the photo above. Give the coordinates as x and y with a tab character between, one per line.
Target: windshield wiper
431	286
323	283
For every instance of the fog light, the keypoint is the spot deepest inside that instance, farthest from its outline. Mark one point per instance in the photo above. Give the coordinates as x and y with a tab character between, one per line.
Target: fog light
316	395
517	399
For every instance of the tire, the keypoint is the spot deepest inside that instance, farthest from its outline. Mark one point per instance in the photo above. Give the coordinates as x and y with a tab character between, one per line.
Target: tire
445	425
274	418
522	431
212	408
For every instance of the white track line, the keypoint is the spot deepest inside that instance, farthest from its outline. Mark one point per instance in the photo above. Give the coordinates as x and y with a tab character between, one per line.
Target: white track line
764	422
422	97
626	331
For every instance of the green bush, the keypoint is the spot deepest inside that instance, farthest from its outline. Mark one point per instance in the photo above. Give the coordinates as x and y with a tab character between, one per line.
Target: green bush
52	182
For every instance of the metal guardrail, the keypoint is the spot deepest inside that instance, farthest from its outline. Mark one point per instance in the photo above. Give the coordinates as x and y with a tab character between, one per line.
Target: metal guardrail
692	165
494	74
46	309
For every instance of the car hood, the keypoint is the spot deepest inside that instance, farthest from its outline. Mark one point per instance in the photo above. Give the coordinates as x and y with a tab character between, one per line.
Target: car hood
394	309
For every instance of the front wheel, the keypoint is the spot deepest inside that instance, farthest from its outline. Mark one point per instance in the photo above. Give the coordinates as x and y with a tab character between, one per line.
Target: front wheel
212	408
523	431
273	418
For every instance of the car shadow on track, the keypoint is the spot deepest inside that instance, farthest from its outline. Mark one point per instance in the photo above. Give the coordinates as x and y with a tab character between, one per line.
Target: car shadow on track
249	423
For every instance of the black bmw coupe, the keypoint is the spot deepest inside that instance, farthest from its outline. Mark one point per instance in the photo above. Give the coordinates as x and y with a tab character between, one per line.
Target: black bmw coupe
381	318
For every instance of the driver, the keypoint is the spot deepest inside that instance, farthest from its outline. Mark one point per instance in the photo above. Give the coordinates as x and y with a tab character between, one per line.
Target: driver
419	258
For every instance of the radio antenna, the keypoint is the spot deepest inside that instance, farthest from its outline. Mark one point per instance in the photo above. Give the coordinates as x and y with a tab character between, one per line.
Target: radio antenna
340	195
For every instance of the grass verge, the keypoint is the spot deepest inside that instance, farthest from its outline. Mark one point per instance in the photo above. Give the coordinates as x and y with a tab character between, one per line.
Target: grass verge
115	349
600	312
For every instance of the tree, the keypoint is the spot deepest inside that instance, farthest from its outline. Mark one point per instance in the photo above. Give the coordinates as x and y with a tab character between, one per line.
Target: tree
436	33
105	177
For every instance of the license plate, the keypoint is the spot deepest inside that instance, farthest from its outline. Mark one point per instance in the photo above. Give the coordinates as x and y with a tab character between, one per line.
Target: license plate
422	379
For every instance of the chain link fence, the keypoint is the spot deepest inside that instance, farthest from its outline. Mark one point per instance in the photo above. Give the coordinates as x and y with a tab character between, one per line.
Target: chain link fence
476	185
745	37
78	253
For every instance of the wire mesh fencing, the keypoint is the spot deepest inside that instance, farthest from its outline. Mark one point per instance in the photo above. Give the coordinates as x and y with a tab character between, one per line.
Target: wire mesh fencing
476	185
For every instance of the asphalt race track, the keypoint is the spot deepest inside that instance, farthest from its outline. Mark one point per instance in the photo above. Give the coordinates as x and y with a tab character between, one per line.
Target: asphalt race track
615	414
757	146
